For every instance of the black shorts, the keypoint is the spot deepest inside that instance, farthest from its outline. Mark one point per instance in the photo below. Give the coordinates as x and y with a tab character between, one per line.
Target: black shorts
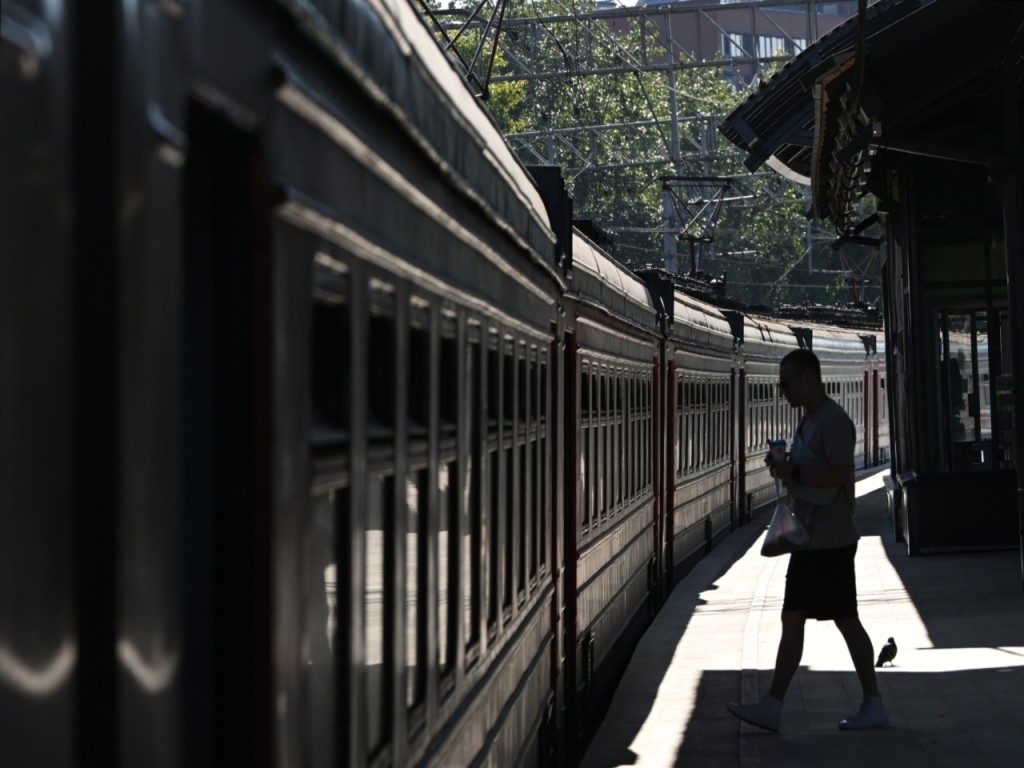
822	583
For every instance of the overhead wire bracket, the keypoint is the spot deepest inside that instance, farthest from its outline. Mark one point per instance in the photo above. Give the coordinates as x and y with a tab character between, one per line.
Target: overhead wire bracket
487	16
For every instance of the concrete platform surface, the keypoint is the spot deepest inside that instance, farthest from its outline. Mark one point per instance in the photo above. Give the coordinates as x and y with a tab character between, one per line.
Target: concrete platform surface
955	695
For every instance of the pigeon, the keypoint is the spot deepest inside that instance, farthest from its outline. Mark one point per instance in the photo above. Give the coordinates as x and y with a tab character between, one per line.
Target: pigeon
887	654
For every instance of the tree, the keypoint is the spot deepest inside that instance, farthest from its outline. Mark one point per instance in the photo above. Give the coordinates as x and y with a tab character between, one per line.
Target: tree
567	89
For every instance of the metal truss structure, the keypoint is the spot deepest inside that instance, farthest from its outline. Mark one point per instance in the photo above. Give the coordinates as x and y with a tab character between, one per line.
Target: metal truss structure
679	36
739	39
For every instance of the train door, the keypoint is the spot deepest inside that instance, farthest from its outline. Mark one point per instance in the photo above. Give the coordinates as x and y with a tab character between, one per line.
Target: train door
226	446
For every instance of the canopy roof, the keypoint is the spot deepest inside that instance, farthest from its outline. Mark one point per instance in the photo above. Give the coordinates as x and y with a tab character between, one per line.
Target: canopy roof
928	77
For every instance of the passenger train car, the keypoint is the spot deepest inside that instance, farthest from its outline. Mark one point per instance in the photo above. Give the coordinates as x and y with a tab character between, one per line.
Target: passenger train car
326	439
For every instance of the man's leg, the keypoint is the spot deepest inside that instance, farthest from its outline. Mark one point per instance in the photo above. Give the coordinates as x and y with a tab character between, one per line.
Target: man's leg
791	649
862	653
872	712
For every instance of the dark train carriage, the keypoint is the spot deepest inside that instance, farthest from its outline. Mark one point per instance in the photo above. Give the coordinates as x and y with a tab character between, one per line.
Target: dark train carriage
414	300
292	305
612	457
702	485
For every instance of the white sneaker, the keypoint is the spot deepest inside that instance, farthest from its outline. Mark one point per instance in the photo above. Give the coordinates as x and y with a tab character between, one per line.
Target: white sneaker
767	713
871	715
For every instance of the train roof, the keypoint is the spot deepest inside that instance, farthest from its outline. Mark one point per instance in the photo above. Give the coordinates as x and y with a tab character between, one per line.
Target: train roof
597	276
401	65
700	323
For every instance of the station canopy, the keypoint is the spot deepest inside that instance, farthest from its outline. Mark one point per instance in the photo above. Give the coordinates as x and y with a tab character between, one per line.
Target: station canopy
937	78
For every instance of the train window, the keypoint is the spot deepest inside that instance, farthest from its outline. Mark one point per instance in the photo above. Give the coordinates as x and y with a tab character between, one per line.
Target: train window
472	513
525	460
637	434
715	415
494	547
381	377
418	378
524	393
508	395
321	622
508	468
533	452
524	513
763	420
634	448
450	395
648	397
611	445
624	427
701	425
756	408
678	460
416	494
542	506
447	564
631	435
625	492
600	477
709	423
330	378
508	532
451	392
698	425
690	449
493	484
608	446
493	387
694	425
627	436
586	430
726	418
379	510
625	445
720	422
608	475
620	437
596	447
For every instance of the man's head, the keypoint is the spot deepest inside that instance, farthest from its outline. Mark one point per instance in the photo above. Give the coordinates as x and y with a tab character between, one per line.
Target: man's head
800	378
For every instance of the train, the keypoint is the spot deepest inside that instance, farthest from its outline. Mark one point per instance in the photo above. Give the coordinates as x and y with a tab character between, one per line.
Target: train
328	438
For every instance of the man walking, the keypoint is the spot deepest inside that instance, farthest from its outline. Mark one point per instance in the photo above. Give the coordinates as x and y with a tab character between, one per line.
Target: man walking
820	581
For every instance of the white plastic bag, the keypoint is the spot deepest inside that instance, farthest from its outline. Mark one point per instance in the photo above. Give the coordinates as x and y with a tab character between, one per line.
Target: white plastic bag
785	532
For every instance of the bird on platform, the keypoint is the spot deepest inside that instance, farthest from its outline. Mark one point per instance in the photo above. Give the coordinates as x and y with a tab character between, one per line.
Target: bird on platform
887	654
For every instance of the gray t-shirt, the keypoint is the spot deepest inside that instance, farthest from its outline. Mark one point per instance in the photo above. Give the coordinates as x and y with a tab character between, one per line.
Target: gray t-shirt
828	436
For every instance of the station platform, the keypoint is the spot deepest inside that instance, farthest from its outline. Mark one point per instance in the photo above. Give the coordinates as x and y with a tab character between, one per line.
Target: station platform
955	694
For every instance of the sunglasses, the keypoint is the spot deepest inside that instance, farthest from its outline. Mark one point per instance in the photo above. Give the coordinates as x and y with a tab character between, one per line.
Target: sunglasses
784	383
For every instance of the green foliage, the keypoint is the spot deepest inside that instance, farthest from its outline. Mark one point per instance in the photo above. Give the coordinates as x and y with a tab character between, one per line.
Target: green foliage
607	124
